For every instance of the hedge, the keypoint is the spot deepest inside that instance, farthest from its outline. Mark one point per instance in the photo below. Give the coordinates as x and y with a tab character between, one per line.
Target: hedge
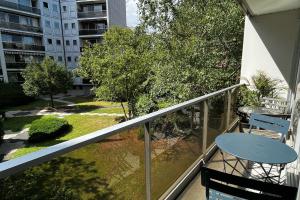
47	128
13	95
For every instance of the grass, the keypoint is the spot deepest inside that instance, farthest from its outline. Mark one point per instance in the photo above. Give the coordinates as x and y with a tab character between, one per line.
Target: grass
19	123
81	125
35	105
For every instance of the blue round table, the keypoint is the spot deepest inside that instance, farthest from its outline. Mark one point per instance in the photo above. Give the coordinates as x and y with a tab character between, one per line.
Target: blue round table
256	148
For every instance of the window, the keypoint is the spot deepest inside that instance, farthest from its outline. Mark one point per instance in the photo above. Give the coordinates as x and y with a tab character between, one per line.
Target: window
69	58
47	24
56	25
66	25
76	59
49	41
59	58
45	4
28	40
73	26
68	42
55	8
51	57
65	8
58	42
75	42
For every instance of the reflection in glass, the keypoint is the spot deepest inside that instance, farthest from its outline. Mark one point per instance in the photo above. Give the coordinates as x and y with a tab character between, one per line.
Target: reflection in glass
110	169
176	142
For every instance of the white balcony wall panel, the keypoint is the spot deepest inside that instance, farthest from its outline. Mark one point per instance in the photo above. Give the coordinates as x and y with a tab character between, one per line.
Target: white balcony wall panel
271	43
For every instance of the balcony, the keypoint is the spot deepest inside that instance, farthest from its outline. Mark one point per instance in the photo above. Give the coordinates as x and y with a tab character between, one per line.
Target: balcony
16	65
143	158
19	46
19	7
92	31
20	27
92	14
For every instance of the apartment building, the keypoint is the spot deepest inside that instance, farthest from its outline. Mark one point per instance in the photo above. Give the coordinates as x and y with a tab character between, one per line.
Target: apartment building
33	29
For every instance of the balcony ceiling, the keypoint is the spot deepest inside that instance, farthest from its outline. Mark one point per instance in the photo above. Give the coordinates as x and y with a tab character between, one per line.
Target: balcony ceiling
261	7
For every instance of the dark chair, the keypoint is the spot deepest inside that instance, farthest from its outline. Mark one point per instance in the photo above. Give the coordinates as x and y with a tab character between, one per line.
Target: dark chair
269	123
223	186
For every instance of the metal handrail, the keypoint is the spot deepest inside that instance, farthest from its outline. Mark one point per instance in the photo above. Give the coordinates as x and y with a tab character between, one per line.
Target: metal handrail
92	31
16	26
16	6
20	46
18	164
92	14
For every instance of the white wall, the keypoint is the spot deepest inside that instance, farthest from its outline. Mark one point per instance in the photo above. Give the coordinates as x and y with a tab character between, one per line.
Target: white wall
270	45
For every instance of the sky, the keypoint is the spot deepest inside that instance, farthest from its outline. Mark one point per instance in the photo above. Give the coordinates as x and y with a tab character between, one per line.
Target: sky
132	15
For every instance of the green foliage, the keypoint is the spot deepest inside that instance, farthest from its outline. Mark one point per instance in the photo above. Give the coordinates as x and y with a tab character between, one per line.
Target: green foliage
13	95
119	67
265	85
47	78
248	97
198	43
146	105
47	128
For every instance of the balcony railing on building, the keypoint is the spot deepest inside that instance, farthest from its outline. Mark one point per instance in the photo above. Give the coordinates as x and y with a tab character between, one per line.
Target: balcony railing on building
92	31
149	157
16	65
21	27
20	7
19	46
92	14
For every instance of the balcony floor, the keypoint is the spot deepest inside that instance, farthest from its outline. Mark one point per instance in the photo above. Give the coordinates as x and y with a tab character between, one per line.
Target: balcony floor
195	191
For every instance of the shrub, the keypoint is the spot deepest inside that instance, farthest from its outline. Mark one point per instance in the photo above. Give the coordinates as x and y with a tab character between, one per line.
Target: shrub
13	94
265	85
146	105
47	128
248	97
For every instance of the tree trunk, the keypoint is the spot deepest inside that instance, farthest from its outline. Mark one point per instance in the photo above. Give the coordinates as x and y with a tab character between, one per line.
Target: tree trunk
126	118
51	98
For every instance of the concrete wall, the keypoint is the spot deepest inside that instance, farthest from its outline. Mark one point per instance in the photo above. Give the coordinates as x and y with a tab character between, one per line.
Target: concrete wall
271	44
116	12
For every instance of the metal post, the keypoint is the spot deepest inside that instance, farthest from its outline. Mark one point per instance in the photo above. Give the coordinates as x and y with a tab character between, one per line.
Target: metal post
205	125
148	159
228	109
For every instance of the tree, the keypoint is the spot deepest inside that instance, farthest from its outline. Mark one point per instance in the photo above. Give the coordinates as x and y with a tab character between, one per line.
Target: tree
201	43
46	78
119	67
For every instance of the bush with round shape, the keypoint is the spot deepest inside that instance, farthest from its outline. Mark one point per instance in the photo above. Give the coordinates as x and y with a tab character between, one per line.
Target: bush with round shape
47	128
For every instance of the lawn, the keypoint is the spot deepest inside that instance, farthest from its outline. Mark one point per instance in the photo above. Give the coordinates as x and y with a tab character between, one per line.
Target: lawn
81	125
19	123
35	105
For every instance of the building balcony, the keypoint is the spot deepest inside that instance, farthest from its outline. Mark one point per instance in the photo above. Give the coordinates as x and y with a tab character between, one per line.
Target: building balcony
93	14
19	7
83	32
20	27
16	65
19	46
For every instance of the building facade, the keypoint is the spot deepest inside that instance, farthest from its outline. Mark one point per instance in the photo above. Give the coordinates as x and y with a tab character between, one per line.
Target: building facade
33	29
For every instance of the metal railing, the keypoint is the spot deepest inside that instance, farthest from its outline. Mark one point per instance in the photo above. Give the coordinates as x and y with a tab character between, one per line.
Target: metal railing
20	7
16	65
20	46
92	31
206	117
92	14
21	27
